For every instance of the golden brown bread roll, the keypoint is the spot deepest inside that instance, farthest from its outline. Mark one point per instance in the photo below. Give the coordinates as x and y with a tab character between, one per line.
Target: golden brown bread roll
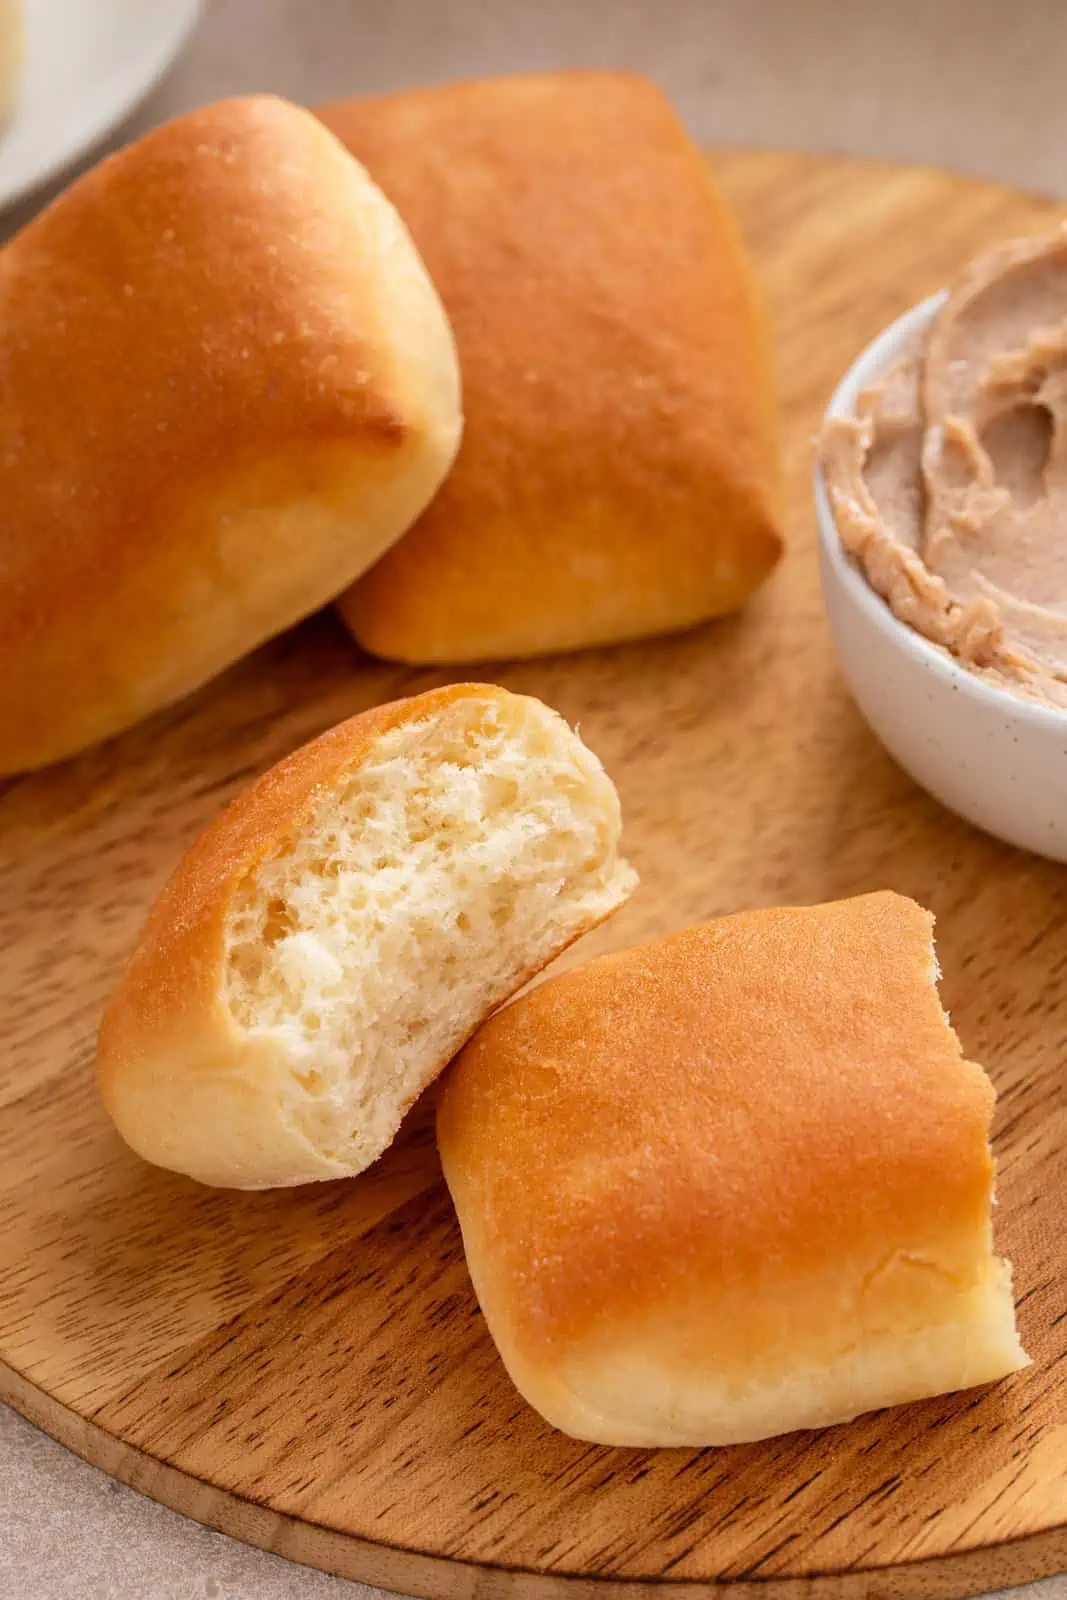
732	1183
337	933
226	386
618	474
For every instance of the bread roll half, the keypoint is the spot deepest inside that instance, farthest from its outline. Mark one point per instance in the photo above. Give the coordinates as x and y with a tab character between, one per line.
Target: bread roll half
733	1183
226	386
338	932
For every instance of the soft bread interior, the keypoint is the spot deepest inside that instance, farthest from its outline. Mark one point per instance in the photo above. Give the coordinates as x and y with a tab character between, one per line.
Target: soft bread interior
462	854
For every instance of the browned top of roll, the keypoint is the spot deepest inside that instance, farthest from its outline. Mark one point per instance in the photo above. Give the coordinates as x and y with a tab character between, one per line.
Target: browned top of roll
734	1107
224	377
618	473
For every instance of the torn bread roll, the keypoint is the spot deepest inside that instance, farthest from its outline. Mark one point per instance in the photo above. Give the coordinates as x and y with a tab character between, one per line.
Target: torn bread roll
618	475
343	927
733	1183
226	386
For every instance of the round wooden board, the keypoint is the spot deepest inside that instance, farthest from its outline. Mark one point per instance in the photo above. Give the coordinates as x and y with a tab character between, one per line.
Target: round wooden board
308	1370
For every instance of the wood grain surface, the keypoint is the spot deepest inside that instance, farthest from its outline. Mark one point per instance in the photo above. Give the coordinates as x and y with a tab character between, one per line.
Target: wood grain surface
309	1369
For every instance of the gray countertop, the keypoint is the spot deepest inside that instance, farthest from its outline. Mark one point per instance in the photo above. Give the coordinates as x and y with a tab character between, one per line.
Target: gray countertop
971	84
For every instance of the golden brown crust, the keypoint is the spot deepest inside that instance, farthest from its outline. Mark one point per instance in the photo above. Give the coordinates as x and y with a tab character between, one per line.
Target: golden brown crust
227	385
734	1157
618	474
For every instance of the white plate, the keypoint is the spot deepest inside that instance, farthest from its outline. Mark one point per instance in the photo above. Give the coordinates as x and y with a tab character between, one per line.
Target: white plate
86	65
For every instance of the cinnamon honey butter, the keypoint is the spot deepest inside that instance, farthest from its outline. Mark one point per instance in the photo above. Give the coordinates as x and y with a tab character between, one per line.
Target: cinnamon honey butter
949	484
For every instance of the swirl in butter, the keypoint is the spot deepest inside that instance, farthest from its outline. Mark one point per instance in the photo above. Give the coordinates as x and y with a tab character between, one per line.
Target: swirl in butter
949	485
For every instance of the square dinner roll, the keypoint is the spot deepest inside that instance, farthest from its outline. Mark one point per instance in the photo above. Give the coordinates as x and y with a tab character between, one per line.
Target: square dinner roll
733	1183
618	474
226	386
345	924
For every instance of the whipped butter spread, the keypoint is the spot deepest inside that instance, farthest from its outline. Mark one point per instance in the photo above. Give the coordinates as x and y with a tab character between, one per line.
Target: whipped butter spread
949	485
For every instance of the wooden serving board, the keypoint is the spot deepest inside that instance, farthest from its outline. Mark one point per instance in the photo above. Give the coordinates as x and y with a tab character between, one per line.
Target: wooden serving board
308	1369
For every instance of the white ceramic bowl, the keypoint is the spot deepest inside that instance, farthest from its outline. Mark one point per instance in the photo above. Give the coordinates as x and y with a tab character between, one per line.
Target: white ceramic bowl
87	64
997	760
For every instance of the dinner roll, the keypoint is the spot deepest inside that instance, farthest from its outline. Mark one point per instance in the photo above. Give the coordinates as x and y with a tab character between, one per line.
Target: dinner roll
618	474
226	385
733	1183
345	924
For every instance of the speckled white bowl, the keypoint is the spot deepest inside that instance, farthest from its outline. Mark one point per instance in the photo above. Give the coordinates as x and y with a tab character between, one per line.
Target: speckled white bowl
997	760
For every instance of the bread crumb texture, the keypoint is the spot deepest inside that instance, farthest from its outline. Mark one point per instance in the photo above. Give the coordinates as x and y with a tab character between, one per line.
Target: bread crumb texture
428	884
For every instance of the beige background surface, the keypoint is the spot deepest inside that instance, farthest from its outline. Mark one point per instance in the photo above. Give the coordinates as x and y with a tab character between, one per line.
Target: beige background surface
972	84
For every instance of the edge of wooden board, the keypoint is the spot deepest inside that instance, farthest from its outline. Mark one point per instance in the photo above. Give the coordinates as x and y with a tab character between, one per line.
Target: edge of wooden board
415	1572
